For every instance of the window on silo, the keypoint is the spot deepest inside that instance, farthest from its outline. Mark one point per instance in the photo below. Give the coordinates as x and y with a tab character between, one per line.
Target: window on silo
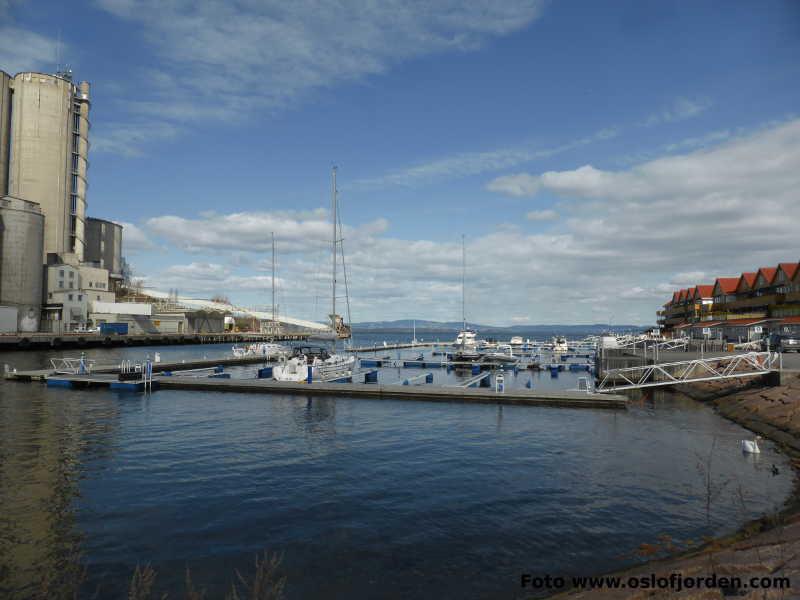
75	162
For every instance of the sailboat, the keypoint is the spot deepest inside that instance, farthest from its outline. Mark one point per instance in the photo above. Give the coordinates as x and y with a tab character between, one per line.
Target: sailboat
466	340
267	350
322	366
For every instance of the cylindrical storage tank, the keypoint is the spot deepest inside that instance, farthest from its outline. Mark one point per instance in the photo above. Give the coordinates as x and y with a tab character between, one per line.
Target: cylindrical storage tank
5	129
49	146
21	258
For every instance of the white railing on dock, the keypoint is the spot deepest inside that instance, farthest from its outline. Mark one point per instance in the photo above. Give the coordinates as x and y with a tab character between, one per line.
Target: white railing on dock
72	366
688	371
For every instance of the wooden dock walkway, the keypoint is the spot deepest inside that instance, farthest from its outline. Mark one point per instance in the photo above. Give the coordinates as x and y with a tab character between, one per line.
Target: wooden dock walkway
427	393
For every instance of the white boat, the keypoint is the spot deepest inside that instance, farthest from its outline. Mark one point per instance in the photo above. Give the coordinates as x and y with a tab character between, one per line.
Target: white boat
268	350
560	344
503	355
324	367
466	337
516	340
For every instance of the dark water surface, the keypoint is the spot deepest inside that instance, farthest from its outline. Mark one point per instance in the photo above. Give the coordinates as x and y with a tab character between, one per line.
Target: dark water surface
365	498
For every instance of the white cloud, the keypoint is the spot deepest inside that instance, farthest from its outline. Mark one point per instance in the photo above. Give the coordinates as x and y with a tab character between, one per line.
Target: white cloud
681	109
623	243
134	239
542	215
225	60
473	163
126	139
22	50
295	231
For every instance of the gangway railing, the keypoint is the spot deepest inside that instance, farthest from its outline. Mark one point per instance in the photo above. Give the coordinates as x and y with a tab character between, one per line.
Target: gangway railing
73	366
472	381
689	371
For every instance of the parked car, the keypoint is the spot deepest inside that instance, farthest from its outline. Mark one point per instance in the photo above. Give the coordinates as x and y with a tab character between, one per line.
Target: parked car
777	342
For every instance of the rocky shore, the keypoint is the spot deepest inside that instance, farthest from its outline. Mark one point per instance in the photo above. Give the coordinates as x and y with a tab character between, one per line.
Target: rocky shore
768	547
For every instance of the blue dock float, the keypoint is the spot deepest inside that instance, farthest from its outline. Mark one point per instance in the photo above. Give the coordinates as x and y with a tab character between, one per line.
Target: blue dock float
371	376
414	364
579	367
370	363
219	369
220	376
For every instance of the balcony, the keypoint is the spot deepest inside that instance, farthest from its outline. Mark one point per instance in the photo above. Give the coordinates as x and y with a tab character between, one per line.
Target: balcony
757	301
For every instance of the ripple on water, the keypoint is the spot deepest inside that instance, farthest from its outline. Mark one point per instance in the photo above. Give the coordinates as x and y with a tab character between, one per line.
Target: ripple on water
371	498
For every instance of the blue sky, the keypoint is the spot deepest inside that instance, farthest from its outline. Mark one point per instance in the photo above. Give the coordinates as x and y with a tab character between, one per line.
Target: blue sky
596	155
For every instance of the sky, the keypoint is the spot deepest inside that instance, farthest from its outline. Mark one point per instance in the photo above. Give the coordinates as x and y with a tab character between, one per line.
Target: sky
594	156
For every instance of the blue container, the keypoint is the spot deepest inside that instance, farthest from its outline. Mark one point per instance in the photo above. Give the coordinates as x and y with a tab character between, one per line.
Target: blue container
476	369
486	381
219	369
221	376
371	377
429	378
114	328
265	373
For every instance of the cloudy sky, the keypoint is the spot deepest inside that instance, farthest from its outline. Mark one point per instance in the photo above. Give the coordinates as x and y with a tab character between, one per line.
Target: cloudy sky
595	155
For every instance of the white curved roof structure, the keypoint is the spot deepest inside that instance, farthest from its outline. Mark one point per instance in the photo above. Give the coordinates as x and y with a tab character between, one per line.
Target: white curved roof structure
200	304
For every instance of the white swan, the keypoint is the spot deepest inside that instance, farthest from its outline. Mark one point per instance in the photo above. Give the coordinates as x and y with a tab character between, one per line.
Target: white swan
751	446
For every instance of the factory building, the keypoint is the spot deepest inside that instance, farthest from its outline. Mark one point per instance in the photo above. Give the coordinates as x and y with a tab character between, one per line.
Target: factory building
104	247
45	234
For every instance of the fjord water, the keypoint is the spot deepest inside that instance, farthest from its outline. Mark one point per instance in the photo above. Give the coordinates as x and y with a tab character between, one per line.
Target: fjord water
364	498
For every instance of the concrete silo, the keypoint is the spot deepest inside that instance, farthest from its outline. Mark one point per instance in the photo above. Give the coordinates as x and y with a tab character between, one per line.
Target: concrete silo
21	258
5	129
49	151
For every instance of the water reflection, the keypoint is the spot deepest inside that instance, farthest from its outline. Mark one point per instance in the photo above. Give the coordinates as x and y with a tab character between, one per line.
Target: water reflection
47	445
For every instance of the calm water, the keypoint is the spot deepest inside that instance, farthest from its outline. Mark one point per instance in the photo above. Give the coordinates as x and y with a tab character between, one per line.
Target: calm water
365	498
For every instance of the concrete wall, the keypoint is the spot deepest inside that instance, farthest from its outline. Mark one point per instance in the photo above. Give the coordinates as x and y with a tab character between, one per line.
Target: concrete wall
143	324
5	129
49	150
21	241
104	245
8	319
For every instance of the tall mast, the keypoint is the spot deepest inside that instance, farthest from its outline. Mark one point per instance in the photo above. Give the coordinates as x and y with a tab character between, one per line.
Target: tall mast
274	314
333	248
463	271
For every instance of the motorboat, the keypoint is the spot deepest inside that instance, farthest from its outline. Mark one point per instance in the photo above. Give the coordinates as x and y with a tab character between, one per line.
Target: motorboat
503	355
516	340
560	344
466	337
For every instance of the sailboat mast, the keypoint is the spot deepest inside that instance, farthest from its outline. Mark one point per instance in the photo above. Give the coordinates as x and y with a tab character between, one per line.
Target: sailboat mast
333	248
274	314
463	272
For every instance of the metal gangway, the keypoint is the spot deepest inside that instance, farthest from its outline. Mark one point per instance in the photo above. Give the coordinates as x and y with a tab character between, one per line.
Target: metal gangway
749	364
72	366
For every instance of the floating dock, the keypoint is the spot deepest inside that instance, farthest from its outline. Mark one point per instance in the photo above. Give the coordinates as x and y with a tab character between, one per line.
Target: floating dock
158	367
38	341
426	393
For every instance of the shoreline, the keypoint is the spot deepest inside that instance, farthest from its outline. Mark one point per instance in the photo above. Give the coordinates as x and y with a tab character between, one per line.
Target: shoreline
768	546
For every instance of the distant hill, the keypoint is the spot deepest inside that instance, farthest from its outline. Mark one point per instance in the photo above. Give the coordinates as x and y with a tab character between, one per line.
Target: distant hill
422	325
